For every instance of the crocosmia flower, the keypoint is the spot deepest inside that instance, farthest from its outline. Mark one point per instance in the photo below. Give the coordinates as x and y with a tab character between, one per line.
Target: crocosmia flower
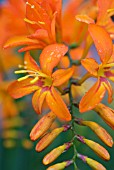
43	19
42	80
101	71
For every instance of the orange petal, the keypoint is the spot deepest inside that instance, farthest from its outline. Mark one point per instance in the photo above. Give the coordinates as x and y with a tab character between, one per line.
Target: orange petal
102	42
90	65
103	6
30	47
92	97
84	18
37	100
62	75
51	56
108	87
40	34
53	27
57	105
19	89
19	40
30	62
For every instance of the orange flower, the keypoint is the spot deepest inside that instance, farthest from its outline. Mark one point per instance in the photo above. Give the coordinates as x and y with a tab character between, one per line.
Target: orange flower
103	18
11	19
42	80
96	93
43	19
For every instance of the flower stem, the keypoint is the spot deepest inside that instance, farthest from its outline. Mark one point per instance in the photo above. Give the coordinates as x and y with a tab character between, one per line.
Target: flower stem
73	123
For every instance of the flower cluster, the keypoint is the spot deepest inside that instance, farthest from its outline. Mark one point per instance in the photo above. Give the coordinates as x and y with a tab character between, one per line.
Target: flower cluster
59	61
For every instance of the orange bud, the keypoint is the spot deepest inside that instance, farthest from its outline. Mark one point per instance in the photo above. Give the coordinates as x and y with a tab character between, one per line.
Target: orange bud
55	153
48	139
42	126
100	132
94	164
60	166
98	149
106	113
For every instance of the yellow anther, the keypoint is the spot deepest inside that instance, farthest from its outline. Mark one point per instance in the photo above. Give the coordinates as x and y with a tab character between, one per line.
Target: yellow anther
20	66
34	80
29	21
40	22
20	71
23	78
27	3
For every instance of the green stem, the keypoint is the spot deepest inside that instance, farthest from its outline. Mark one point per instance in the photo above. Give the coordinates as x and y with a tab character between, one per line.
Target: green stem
71	107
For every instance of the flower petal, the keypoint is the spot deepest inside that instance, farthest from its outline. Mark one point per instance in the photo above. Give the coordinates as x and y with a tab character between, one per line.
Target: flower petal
51	56
62	75
18	89
57	105
37	100
84	18
102	42
19	40
108	87
103	6
90	65
30	47
92	97
30	62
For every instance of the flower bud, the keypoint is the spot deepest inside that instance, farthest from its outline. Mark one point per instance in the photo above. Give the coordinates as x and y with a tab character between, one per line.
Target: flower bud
94	164
98	149
100	132
106	113
48	139
60	166
55	153
42	126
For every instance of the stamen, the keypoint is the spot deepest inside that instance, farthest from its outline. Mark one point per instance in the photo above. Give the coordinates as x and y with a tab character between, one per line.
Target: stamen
34	80
27	3
23	78
40	22
21	71
25	71
30	22
32	6
20	66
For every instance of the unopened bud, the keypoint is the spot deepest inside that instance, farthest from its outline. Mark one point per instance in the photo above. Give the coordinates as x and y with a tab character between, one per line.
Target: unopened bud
98	149
94	164
106	113
48	139
55	153
42	126
60	166
100	132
